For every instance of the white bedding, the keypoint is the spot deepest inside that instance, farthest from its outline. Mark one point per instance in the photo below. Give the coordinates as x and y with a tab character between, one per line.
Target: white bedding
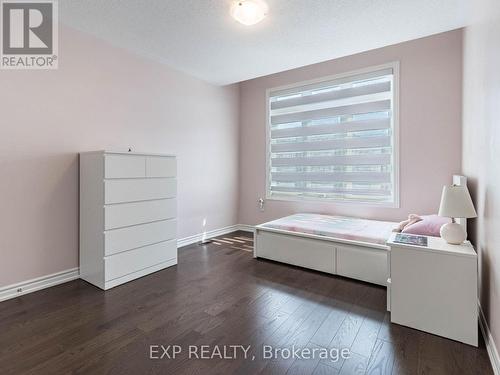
348	228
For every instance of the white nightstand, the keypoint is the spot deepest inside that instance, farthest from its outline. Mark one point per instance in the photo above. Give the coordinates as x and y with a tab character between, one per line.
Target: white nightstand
434	288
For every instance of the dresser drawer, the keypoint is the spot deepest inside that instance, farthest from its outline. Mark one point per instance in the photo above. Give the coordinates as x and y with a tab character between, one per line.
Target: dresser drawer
117	240
125	214
120	191
160	166
122	264
124	166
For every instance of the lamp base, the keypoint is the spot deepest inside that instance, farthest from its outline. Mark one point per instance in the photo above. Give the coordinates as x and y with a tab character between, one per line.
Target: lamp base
453	233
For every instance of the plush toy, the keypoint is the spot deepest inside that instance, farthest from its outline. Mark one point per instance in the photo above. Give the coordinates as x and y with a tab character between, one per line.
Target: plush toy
412	219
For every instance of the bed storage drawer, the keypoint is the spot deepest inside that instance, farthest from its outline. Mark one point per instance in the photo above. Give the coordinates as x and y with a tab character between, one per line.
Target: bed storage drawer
368	265
122	264
389	285
304	252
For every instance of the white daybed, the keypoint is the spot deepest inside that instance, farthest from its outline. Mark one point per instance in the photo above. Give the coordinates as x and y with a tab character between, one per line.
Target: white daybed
338	245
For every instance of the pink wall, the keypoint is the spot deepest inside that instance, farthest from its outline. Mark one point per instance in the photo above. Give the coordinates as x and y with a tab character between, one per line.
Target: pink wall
430	127
105	98
481	150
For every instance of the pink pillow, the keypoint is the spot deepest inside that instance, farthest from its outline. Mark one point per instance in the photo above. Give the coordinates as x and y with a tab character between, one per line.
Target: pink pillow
428	226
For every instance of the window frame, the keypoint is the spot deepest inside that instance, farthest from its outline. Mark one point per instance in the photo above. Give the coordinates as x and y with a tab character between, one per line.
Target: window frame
395	138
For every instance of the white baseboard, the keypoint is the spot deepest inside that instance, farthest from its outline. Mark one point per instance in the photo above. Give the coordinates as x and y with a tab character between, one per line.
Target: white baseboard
246	228
490	343
213	233
25	287
205	236
28	286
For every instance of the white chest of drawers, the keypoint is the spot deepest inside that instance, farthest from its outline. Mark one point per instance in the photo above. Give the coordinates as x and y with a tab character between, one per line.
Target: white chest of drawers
127	216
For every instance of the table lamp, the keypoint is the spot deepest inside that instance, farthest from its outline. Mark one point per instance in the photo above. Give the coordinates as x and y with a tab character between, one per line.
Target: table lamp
455	203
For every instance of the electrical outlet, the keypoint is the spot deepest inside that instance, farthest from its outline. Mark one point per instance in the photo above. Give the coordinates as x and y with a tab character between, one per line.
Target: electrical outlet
19	290
261	204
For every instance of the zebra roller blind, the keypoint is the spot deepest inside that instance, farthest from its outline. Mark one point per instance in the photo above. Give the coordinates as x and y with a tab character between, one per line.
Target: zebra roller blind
334	139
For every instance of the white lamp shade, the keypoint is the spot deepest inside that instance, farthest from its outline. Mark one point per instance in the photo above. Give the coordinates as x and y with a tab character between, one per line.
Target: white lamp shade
456	202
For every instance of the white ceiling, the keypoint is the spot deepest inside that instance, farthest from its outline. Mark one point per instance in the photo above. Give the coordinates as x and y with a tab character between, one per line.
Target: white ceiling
200	38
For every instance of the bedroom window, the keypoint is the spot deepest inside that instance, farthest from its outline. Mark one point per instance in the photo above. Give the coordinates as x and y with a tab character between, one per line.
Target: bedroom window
335	138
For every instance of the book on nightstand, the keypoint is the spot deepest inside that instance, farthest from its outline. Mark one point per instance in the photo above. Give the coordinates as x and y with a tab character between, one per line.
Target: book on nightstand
411	239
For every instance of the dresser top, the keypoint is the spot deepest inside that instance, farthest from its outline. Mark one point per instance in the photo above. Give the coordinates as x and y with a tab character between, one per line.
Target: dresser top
127	153
437	245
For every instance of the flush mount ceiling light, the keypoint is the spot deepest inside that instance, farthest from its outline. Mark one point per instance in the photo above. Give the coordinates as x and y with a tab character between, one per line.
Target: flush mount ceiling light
249	12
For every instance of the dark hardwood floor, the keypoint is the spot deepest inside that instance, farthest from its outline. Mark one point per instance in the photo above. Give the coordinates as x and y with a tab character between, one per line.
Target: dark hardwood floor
219	295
